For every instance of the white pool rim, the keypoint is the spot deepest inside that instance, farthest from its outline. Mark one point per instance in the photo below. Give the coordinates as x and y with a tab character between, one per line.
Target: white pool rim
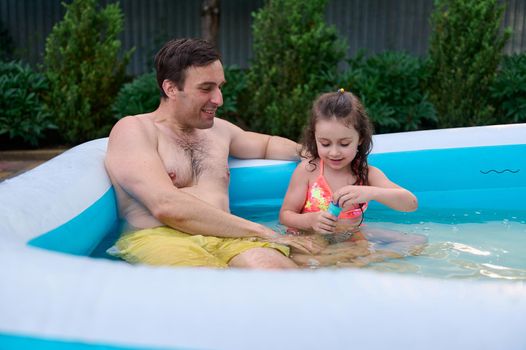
49	298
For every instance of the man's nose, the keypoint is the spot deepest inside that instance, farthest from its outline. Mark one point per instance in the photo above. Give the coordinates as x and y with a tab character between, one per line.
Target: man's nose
217	97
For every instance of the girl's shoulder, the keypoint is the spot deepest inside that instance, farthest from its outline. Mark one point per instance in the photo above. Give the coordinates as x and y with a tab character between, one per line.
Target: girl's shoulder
371	168
309	165
374	170
375	174
307	169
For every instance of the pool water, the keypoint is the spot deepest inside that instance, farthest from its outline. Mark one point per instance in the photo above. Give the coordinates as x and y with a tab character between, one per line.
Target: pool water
462	244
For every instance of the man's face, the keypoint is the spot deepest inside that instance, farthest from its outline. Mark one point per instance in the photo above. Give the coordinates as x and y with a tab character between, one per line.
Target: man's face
197	103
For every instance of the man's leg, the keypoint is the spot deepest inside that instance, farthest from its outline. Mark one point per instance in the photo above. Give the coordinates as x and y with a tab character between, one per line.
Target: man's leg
262	258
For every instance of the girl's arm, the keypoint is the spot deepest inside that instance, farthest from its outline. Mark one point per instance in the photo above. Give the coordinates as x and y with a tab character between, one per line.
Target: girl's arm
380	189
389	193
290	214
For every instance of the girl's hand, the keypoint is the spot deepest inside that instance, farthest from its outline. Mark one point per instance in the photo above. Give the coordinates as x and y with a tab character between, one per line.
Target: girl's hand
346	196
321	221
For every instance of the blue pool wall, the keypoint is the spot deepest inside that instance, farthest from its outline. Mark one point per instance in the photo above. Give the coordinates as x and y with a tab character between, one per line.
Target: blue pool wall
490	177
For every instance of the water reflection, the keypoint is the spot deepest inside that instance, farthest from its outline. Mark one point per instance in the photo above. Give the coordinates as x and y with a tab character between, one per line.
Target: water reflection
463	244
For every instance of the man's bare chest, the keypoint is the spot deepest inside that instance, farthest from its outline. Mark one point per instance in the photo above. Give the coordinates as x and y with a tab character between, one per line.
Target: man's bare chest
189	162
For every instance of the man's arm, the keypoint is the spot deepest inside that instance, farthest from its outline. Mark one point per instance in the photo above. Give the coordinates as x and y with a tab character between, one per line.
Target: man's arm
246	144
134	164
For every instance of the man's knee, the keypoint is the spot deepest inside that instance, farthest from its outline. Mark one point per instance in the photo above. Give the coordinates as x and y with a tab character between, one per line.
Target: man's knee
262	258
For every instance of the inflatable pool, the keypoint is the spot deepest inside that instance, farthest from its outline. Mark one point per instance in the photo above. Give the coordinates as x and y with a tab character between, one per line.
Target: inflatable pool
55	293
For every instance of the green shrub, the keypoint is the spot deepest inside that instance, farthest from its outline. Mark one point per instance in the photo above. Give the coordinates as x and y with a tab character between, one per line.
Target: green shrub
390	85
296	55
465	51
84	69
140	96
24	116
509	90
236	83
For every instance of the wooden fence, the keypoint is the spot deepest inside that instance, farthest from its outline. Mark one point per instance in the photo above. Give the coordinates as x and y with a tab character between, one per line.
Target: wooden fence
373	25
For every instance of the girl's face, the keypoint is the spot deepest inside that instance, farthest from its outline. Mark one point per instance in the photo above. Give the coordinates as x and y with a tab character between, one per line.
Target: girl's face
337	143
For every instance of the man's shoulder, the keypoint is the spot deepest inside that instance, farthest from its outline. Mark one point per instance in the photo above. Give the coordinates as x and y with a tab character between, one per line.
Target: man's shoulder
135	129
222	124
139	120
224	128
132	123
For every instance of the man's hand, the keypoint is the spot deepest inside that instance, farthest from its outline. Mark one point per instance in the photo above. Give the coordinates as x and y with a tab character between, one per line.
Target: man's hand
304	243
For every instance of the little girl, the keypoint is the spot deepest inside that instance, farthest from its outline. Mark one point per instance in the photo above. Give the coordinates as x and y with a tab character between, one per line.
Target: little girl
335	146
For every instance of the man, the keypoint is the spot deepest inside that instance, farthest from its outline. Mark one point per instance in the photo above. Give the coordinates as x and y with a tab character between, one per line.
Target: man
170	172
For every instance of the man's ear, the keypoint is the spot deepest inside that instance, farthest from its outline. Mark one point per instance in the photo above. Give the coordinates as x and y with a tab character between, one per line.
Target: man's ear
169	88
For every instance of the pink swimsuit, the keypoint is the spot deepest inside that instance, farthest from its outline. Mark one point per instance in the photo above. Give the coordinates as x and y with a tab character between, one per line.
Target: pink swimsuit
319	196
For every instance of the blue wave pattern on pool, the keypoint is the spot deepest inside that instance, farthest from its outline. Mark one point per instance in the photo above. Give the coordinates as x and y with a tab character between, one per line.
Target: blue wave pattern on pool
452	178
444	178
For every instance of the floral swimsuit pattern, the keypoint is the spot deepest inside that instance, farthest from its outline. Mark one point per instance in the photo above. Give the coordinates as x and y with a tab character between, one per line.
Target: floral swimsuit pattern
319	195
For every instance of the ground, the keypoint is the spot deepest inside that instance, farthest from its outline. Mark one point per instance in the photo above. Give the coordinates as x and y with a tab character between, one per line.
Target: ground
13	163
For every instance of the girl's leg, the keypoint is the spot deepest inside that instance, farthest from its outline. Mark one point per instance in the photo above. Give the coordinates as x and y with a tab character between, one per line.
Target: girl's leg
396	242
334	254
376	245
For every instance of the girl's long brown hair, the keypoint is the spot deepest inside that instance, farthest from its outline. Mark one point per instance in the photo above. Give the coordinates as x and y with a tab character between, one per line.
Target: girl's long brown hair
346	108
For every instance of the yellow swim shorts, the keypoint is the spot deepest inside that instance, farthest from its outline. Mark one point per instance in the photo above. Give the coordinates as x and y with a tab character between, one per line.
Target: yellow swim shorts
167	246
